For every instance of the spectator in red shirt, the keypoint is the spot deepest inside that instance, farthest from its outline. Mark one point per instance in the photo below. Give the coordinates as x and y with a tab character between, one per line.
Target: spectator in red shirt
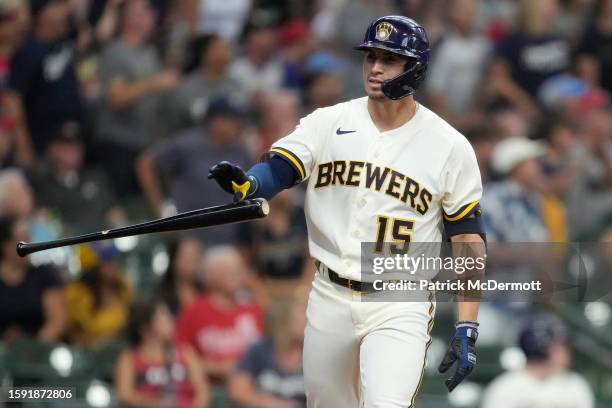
15	146
221	324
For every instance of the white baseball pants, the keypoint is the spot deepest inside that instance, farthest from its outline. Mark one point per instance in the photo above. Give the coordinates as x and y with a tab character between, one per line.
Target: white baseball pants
363	354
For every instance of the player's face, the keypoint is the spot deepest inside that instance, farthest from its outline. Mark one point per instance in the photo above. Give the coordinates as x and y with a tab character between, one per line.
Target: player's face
379	66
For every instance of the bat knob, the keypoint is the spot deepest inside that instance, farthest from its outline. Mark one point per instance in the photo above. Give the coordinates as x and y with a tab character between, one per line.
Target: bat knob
265	207
22	249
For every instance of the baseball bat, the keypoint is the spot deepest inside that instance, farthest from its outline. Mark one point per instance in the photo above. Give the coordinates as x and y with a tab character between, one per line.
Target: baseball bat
205	217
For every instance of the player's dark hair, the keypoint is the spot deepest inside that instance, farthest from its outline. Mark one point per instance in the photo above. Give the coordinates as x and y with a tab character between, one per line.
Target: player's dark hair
7	226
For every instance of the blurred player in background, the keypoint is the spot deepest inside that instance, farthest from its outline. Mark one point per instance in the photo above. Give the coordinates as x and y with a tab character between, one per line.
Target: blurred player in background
545	382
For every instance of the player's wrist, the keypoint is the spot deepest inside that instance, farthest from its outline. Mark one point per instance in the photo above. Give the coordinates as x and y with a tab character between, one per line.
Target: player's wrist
467	323
467	328
254	185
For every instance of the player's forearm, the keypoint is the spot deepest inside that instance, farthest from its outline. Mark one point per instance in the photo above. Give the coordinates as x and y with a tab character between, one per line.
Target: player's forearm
468	310
272	177
469	246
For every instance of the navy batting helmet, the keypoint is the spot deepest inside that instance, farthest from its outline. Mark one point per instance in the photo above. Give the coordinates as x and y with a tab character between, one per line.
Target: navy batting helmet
540	334
403	36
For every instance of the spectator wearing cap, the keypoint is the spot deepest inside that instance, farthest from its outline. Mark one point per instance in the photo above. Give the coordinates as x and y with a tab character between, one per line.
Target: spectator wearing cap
82	198
99	301
31	301
519	208
135	84
182	161
545	381
43	75
458	67
207	79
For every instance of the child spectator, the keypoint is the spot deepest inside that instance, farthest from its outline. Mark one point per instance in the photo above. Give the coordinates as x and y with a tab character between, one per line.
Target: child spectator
153	373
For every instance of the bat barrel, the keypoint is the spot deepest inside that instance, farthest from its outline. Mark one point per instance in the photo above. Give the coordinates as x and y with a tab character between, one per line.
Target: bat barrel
206	217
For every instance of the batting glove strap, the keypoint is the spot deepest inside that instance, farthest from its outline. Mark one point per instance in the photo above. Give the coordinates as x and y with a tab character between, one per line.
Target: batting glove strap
461	350
233	179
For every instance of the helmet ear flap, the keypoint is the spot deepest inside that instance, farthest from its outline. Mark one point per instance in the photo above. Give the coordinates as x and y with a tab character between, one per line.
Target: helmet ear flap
406	83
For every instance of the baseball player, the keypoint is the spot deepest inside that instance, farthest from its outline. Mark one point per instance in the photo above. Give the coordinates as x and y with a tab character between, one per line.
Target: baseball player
545	381
378	168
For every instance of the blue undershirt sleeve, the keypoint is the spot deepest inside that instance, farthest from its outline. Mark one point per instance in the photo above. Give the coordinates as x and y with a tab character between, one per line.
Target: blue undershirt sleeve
272	176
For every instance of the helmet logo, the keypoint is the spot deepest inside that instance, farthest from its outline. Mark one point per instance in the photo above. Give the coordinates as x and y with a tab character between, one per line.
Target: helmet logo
383	31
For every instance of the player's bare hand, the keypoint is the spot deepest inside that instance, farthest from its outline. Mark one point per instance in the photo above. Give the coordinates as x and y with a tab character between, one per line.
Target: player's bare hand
232	179
461	349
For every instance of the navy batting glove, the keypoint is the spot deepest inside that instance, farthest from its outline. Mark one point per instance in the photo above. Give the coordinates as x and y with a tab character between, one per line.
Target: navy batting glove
461	349
233	179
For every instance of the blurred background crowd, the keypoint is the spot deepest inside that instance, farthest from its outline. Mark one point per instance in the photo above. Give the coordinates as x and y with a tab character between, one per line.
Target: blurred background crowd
112	112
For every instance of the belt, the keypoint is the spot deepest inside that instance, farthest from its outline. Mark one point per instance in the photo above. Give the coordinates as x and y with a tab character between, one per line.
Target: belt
351	284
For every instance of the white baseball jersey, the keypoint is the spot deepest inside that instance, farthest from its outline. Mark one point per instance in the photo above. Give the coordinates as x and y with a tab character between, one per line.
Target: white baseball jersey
370	186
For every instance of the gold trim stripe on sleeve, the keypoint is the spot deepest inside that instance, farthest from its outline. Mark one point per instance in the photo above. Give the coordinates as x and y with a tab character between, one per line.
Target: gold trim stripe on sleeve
463	213
292	158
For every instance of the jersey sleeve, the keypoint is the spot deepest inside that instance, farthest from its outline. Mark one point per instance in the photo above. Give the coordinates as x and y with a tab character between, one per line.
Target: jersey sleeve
462	189
301	147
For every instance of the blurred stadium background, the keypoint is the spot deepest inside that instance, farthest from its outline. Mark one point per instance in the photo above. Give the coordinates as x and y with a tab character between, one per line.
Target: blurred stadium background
112	111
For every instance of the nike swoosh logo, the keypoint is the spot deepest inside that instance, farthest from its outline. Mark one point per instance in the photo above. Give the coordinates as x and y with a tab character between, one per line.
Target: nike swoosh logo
339	131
